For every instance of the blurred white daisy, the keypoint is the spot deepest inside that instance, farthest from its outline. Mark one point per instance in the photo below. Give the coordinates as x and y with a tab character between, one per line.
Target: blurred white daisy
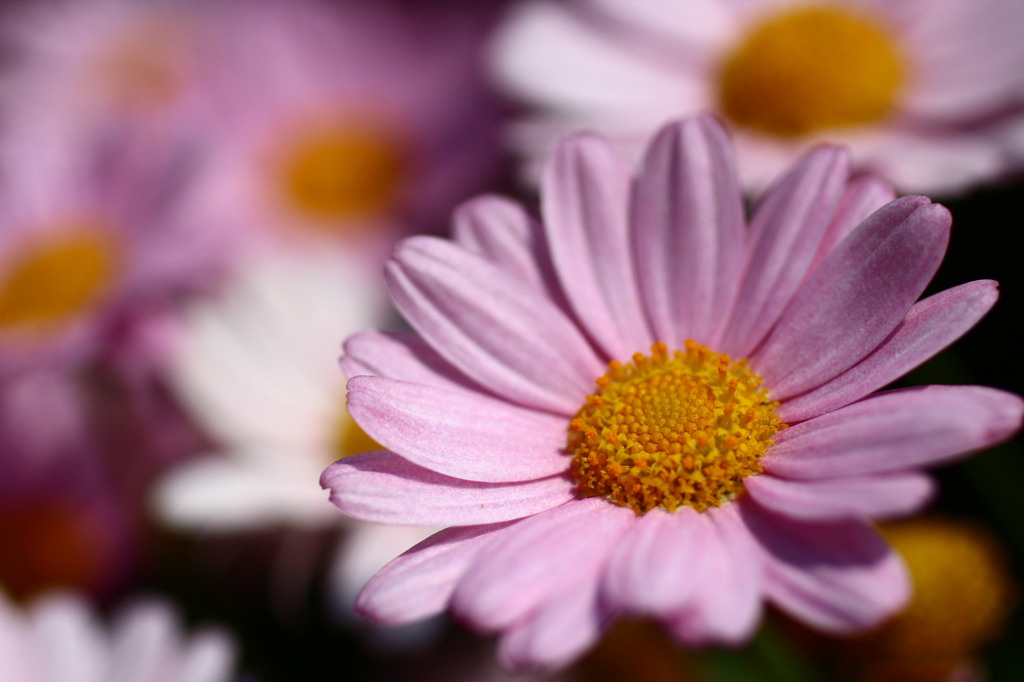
60	639
258	370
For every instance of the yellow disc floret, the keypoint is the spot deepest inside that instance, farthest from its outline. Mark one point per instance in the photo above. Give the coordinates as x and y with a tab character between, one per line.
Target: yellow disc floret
672	429
342	172
809	69
54	280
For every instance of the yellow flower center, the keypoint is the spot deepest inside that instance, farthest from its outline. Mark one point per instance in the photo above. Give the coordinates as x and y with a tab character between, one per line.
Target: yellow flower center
809	69
142	68
55	280
350	439
963	596
342	172
45	546
672	429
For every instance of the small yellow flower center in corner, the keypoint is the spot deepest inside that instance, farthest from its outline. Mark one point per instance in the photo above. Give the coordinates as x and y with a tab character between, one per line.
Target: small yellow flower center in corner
342	172
56	279
810	69
672	429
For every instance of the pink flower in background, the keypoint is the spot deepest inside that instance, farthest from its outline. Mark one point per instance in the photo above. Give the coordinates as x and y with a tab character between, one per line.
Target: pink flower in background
59	637
96	247
645	405
105	63
62	523
346	120
257	369
920	91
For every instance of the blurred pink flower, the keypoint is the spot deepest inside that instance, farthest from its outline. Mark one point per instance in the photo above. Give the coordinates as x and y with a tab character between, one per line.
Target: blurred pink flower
674	489
62	523
104	63
920	90
59	637
96	247
347	119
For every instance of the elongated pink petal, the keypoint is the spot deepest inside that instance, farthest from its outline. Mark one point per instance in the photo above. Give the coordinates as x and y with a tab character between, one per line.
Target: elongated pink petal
399	355
458	433
385	488
837	576
930	326
584	197
557	634
419	583
502	231
874	497
727	605
862	197
688	231
483	321
659	564
538	559
856	298
894	431
786	231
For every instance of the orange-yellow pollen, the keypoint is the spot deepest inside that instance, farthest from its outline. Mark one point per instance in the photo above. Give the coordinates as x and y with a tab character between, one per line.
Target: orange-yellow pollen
811	68
55	280
342	172
672	429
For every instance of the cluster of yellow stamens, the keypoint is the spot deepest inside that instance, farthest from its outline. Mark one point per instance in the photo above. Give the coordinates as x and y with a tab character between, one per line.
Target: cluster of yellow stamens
672	429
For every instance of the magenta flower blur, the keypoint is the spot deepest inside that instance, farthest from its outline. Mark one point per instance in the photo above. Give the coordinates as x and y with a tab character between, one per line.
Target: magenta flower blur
643	405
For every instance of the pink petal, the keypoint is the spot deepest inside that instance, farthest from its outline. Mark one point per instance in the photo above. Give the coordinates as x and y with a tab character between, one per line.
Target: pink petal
896	430
584	194
856	298
659	564
727	603
485	323
786	231
419	583
688	229
501	231
837	576
557	634
538	560
875	497
458	433
399	355
383	487
930	326
863	196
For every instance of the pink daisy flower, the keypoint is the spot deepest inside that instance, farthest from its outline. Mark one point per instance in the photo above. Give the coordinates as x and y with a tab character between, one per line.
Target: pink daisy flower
106	65
643	405
76	533
96	247
346	119
59	637
920	91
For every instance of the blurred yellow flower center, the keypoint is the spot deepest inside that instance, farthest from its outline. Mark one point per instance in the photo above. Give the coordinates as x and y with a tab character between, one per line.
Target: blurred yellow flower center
672	429
45	546
343	172
810	69
962	599
56	279
350	439
142	68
